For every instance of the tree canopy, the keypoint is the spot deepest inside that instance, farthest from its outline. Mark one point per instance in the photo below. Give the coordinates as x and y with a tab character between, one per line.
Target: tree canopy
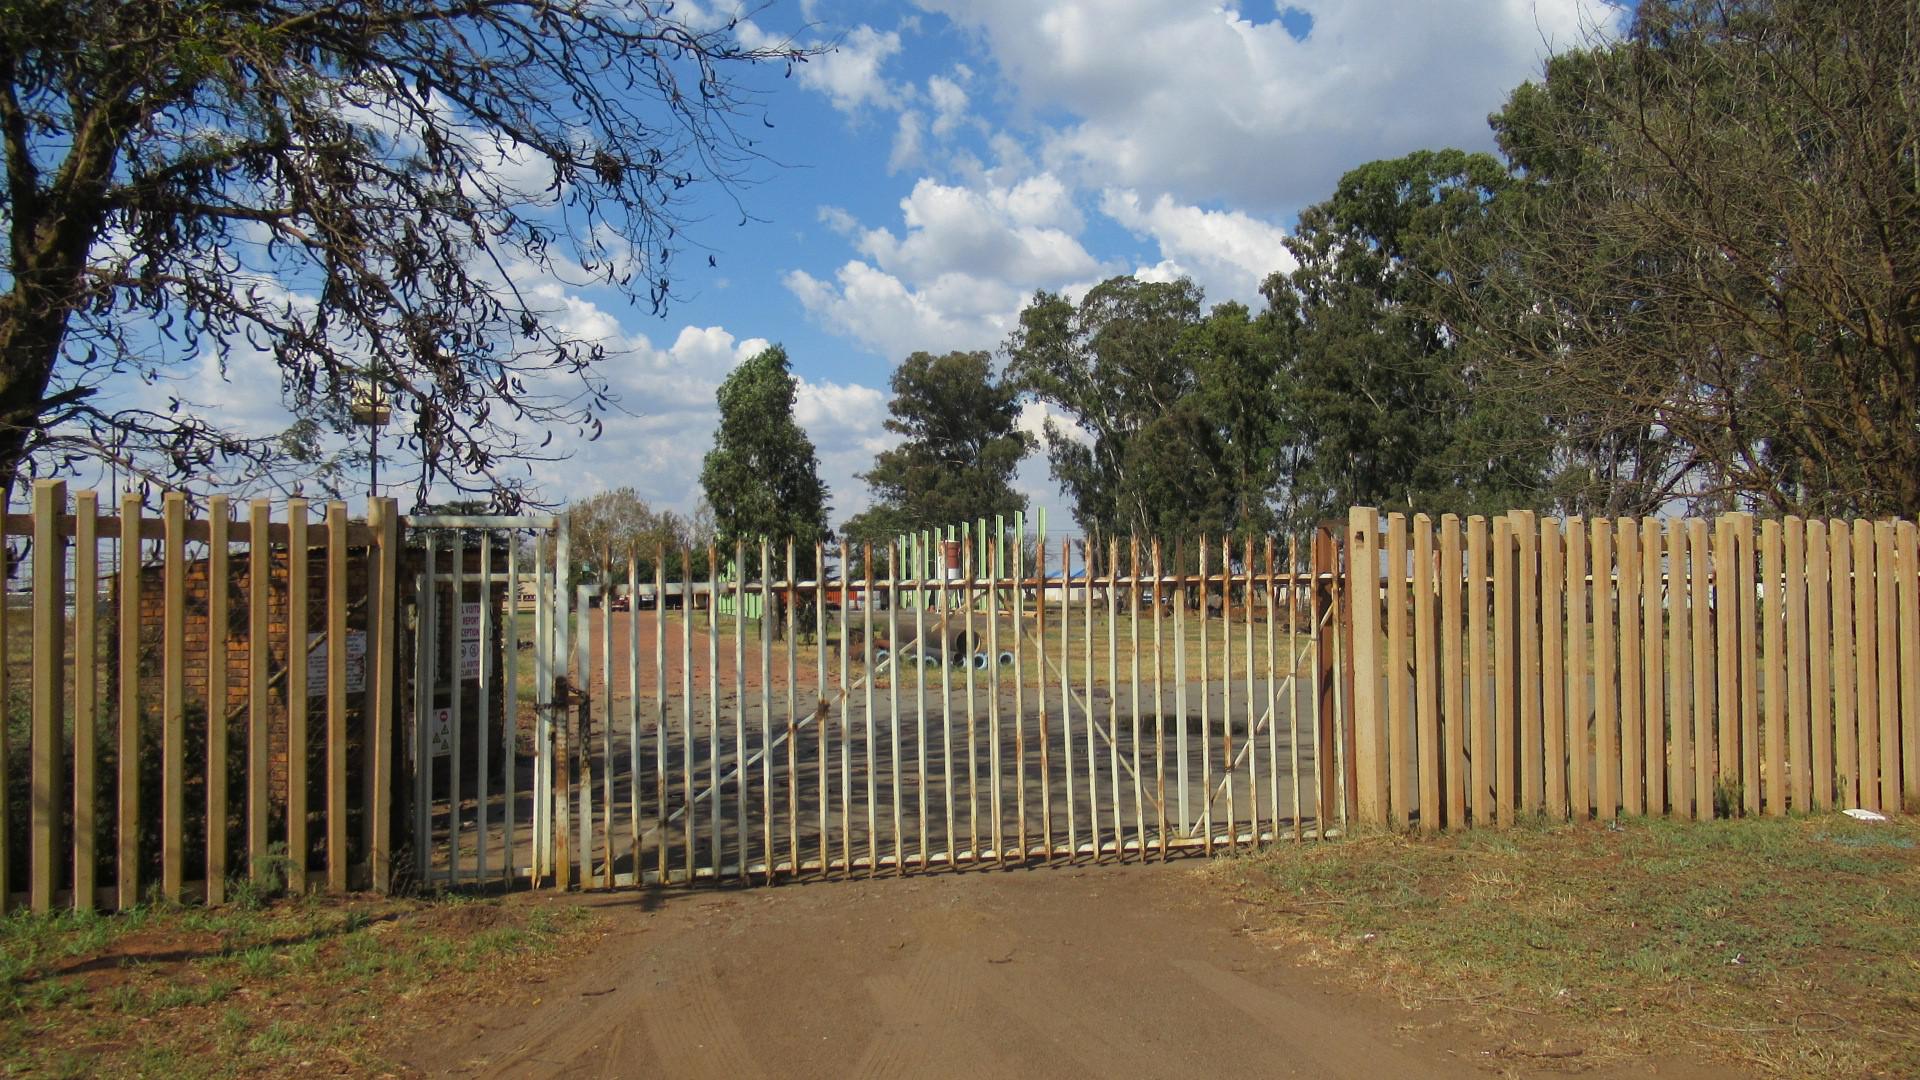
960	446
762	477
353	190
1382	403
1710	269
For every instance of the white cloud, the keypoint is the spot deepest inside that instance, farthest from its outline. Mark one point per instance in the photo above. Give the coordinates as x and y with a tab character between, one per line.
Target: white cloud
850	75
949	100
1227	252
908	136
956	275
1207	104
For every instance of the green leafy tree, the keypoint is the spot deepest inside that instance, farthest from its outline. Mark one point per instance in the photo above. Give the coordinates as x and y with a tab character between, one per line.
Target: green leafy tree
1113	365
323	182
1383	404
959	451
762	477
1711	281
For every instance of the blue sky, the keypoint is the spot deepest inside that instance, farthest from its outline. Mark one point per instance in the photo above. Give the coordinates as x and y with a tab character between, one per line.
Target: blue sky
952	156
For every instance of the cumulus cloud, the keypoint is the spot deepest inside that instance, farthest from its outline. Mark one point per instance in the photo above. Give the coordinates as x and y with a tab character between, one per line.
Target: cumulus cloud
1208	103
956	274
850	75
1227	252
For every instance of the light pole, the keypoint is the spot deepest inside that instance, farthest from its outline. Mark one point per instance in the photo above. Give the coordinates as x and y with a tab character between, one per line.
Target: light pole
371	411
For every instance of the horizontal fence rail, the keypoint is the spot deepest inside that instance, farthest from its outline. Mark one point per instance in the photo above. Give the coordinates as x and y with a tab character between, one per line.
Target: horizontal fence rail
201	701
1577	669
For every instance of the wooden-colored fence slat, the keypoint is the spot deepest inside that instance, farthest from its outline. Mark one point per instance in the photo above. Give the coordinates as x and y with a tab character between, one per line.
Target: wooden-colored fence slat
1401	768
1749	644
1799	738
47	731
1909	562
86	692
1820	662
1579	765
1370	749
259	720
298	622
1866	665
1479	680
1633	801
1453	708
127	827
1653	683
1545	758
1728	643
1506	670
1887	608
337	698
1606	702
173	697
1846	731
219	647
383	518
1528	585
1426	675
1680	686
1700	581
1772	641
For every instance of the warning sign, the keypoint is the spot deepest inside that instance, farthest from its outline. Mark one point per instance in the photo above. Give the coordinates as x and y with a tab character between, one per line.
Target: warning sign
469	661
469	646
440	733
317	663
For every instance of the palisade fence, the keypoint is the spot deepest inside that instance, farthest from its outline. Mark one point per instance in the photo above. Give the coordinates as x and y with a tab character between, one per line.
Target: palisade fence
1531	666
194	703
199	704
992	699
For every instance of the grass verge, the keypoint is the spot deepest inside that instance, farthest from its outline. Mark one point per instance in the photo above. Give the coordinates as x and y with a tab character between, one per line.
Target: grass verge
1788	946
295	987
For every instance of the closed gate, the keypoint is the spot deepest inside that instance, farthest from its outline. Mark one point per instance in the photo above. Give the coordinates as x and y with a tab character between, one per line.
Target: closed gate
488	695
905	709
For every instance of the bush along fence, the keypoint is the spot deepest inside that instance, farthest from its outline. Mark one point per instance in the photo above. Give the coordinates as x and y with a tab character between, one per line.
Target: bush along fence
194	704
1577	669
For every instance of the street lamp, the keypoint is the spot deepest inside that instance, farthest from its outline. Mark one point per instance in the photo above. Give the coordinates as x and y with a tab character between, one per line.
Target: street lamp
371	410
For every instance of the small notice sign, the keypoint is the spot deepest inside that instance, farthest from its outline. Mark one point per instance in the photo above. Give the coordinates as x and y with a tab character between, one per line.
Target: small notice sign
470	621
440	733
356	663
469	661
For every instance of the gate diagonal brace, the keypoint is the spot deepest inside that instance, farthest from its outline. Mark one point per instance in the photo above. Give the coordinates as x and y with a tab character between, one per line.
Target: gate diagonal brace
819	713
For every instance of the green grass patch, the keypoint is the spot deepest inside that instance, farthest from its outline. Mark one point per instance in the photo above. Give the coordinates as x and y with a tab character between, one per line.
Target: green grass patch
296	986
1789	946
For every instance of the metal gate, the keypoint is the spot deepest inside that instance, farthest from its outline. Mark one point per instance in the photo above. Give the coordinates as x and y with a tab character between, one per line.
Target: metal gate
488	693
898	710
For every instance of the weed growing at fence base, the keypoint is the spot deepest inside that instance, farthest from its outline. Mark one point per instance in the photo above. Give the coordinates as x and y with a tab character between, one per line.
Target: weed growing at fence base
296	987
1790	946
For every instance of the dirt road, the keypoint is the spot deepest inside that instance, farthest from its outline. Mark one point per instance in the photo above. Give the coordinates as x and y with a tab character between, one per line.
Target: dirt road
1099	971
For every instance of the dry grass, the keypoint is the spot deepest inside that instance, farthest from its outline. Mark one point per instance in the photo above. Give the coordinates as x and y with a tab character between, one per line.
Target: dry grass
1788	946
289	988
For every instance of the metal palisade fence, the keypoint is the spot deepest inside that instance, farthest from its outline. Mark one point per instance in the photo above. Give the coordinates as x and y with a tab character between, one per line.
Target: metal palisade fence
921	706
